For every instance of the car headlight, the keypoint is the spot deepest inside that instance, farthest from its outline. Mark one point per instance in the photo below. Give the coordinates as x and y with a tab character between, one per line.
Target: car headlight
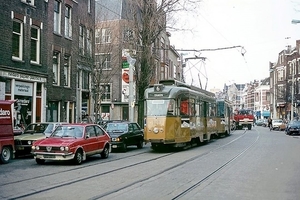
35	147
64	148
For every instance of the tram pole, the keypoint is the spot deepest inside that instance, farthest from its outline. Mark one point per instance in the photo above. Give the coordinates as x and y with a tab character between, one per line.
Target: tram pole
131	102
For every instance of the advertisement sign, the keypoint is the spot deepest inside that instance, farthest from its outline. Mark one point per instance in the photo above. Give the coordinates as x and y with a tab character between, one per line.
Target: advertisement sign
23	88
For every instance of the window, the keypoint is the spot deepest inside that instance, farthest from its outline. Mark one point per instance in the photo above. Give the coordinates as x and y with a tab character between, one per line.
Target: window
97	36
17	40
57	17
67	64
128	35
68	22
29	2
81	40
56	61
89	6
85	80
103	61
99	131
89	42
106	92
106	35
35	44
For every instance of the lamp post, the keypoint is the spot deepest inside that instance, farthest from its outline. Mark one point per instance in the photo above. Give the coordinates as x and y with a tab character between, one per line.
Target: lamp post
292	101
131	102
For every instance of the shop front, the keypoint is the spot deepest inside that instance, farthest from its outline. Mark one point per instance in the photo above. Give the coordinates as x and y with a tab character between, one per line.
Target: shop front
29	93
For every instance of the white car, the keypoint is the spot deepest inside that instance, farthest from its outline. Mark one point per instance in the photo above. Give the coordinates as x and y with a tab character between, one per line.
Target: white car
278	124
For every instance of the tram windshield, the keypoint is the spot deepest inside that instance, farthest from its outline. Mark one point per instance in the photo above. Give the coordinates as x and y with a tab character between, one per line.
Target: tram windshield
160	107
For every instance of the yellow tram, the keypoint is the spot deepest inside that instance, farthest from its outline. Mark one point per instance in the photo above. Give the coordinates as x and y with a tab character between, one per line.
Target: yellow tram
178	115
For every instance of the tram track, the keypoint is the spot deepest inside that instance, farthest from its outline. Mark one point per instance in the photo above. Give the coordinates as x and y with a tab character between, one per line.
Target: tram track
139	181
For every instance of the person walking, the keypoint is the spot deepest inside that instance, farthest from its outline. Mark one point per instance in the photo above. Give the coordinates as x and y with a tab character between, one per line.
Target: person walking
270	123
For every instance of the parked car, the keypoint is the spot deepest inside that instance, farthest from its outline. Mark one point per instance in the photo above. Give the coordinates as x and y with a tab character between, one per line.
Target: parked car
17	130
278	124
72	142
265	123
293	127
124	134
33	132
259	122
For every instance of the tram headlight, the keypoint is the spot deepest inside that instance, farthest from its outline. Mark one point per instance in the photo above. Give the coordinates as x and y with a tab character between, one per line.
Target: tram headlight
155	130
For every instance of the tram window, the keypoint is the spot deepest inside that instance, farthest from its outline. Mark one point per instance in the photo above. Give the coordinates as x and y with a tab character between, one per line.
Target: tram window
171	107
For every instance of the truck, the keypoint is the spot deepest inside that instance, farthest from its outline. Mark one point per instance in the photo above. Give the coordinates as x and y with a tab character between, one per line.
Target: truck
243	118
7	148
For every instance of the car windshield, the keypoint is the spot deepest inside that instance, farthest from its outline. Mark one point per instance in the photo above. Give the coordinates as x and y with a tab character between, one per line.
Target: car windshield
36	128
277	121
68	131
116	127
295	122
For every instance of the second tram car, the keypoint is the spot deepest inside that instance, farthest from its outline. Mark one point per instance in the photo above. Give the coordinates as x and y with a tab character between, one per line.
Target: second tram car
179	115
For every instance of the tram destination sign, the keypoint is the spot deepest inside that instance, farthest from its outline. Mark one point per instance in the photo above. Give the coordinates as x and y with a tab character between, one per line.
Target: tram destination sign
158	94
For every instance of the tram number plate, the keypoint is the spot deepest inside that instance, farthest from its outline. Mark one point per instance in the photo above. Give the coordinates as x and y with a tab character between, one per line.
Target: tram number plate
114	146
49	156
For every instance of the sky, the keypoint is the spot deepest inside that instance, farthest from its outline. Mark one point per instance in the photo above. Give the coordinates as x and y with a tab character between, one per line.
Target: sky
262	29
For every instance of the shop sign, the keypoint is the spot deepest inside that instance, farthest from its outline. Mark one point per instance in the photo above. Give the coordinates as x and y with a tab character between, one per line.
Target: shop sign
23	88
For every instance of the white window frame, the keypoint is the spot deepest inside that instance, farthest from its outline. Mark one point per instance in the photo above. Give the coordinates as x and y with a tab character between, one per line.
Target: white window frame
68	22
67	64
57	18
97	36
106	91
89	6
81	40
37	41
20	36
89	42
105	35
56	68
103	64
29	2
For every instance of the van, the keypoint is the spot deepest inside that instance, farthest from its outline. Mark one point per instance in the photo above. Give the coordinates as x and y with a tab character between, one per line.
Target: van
7	149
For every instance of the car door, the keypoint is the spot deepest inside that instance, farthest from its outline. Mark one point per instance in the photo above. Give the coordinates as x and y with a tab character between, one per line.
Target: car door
138	133
91	141
102	138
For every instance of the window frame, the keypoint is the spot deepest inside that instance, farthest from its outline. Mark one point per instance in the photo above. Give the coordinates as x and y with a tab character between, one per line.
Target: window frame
56	68
68	21
57	17
37	45
67	68
20	36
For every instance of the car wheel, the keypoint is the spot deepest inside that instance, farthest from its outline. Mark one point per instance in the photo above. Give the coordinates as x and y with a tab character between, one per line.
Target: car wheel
6	155
105	152
140	144
39	161
78	157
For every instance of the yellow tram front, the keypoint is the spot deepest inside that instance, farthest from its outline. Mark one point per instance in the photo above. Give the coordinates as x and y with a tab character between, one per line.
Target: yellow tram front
175	116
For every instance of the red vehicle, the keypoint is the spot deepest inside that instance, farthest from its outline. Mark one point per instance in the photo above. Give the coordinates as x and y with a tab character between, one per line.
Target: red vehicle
243	118
73	142
7	148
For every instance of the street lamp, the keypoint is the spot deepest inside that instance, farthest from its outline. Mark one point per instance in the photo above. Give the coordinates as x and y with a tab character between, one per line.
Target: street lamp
131	102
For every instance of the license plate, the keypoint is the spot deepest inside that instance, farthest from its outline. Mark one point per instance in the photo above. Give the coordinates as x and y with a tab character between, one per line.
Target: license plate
49	156
114	146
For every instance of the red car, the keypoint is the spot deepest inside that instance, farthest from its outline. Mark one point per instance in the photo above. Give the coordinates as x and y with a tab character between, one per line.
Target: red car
72	142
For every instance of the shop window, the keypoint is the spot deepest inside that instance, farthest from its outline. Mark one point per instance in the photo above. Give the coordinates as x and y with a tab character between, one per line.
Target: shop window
39	89
8	87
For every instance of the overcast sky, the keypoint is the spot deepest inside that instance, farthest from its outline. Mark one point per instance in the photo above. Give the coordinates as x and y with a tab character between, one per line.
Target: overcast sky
260	26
